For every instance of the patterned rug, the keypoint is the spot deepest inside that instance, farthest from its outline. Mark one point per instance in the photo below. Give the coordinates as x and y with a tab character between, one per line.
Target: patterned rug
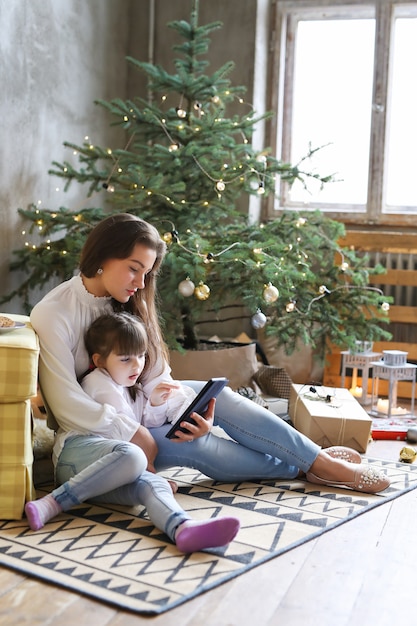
115	555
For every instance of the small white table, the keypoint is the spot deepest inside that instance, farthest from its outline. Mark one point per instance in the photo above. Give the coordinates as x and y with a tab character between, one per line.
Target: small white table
362	361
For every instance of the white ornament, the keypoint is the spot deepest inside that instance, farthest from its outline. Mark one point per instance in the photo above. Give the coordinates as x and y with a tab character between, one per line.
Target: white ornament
385	306
186	287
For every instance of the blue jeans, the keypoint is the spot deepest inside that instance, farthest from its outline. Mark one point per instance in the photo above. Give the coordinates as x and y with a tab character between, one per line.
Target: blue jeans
114	472
264	445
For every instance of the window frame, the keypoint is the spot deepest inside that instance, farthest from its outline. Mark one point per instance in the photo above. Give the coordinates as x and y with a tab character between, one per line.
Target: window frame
284	17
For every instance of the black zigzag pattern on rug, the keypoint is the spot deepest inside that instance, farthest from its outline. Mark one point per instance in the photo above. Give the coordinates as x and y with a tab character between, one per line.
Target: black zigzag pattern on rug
116	555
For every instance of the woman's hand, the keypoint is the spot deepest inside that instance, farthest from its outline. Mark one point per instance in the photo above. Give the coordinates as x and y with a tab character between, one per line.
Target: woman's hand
162	392
202	425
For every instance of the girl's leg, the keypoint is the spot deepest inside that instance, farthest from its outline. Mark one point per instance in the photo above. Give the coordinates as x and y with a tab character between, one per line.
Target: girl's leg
155	494
87	467
100	470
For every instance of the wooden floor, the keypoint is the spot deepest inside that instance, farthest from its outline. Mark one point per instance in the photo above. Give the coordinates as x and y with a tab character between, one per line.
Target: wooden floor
364	572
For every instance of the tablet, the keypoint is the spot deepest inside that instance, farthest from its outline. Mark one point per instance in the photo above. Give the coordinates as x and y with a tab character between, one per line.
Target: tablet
210	390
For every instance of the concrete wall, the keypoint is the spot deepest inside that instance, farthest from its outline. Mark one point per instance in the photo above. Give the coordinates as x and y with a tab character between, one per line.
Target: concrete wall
57	57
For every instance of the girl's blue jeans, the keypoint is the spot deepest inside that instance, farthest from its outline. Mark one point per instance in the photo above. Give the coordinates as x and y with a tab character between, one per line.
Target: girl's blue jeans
264	447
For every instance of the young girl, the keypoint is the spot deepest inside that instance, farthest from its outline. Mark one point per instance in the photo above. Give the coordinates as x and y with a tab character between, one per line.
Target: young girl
118	270
117	346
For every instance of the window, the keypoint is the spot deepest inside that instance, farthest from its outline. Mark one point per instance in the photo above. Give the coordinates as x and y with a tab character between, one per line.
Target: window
343	77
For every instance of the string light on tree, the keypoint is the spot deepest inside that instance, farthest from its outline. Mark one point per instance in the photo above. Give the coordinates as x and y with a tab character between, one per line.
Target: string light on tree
181	113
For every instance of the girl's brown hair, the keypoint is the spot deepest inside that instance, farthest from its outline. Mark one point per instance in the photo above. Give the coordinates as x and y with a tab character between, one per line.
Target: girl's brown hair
121	333
115	238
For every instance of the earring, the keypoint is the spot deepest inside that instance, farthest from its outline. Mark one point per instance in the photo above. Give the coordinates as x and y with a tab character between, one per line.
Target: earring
100	270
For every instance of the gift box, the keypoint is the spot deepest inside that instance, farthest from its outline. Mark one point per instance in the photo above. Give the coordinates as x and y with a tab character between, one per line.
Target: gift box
329	416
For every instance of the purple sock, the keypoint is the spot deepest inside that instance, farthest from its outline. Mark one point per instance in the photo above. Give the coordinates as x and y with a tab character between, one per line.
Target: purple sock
38	512
193	536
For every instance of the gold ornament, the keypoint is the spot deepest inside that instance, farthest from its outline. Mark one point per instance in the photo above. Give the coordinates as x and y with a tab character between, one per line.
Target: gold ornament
407	455
202	291
167	237
270	293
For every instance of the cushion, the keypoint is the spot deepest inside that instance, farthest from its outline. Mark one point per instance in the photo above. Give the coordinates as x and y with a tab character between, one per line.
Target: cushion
19	352
273	381
238	363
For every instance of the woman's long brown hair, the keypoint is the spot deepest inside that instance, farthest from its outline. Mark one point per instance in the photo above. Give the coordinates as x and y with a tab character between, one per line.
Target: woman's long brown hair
115	238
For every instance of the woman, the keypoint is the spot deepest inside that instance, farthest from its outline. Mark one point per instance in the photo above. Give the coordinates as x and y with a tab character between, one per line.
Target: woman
118	270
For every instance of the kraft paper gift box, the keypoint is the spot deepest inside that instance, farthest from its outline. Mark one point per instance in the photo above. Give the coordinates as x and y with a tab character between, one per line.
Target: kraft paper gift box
340	421
19	353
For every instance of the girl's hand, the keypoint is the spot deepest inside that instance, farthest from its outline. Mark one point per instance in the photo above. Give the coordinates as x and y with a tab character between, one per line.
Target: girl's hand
162	392
202	425
145	440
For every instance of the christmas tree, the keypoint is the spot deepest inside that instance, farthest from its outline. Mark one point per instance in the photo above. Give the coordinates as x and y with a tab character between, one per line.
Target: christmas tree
184	167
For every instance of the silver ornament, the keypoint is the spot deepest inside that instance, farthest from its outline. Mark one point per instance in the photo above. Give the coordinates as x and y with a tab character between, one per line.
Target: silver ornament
258	320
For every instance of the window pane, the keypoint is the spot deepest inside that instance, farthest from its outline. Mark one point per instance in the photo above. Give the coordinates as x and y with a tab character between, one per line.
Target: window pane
401	151
332	105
